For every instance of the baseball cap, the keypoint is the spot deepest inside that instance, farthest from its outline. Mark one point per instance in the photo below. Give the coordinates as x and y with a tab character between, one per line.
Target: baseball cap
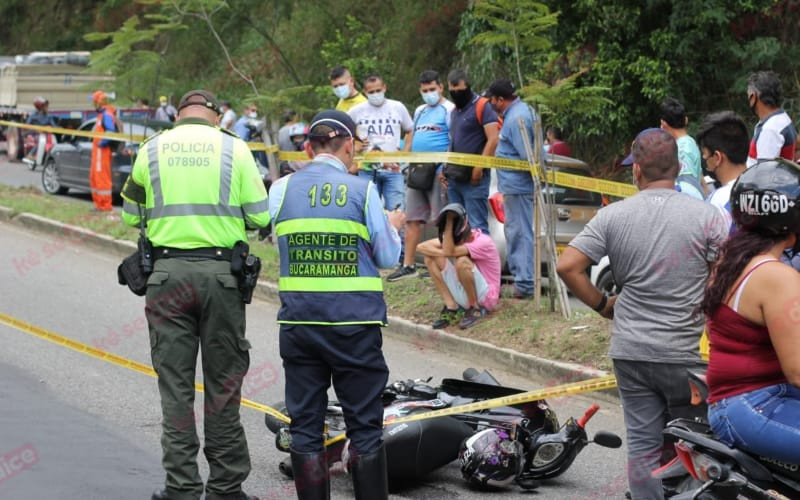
199	97
163	98
629	160
332	123
501	88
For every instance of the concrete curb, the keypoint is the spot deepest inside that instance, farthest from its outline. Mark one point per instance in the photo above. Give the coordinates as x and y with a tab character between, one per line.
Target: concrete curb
546	372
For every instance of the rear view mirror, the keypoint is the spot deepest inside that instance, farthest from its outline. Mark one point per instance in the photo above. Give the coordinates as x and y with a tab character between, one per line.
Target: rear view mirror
607	439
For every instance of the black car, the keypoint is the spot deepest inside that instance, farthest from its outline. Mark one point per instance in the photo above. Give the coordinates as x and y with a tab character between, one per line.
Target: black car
70	160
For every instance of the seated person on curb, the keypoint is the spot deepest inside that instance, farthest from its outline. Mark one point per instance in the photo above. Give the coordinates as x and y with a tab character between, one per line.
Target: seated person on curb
472	283
751	302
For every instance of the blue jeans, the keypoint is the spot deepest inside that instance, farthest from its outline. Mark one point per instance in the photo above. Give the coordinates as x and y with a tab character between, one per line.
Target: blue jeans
518	230
765	421
391	187
474	199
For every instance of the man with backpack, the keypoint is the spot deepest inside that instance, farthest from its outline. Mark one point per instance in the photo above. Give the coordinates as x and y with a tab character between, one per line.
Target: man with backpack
475	130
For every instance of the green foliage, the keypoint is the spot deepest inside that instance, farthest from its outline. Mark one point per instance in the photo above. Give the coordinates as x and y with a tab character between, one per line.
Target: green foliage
136	68
518	26
351	48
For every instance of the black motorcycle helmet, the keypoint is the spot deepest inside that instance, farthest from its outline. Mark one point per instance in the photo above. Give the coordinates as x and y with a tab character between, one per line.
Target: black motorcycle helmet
766	198
460	225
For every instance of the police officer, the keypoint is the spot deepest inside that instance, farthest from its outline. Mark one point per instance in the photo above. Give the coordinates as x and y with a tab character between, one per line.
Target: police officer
200	189
333	235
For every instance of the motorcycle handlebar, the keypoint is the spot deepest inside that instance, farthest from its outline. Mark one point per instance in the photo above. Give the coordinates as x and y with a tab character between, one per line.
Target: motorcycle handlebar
589	414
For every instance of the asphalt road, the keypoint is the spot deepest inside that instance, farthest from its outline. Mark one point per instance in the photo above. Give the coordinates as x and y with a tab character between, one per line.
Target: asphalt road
74	427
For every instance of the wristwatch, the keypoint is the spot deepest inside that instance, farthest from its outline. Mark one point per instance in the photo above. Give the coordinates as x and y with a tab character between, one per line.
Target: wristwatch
602	304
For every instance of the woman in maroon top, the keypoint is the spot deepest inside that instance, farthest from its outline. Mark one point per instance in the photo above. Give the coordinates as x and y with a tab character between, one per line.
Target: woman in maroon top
753	305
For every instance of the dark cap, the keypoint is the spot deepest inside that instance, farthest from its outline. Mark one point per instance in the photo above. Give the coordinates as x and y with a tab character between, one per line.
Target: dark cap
331	123
200	98
501	88
630	160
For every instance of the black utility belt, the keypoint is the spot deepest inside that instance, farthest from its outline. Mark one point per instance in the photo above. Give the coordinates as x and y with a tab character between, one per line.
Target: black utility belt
192	254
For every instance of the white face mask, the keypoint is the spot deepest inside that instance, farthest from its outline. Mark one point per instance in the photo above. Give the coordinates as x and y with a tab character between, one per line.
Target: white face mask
253	114
431	98
342	91
376	99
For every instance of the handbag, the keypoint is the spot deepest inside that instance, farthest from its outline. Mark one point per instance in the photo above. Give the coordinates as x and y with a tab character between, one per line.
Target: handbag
421	176
457	173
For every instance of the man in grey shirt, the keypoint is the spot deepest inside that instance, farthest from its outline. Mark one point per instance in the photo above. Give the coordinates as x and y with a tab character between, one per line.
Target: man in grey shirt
660	244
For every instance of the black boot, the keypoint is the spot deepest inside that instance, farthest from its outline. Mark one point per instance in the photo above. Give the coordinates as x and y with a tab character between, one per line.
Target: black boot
370	480
311	475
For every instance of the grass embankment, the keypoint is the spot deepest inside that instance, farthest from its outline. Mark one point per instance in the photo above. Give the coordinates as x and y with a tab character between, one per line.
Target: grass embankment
515	324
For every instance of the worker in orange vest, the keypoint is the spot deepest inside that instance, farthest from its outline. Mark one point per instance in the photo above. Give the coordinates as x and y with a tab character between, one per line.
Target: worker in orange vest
100	172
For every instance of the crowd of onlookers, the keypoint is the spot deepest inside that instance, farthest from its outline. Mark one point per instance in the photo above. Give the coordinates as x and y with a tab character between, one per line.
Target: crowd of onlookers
684	251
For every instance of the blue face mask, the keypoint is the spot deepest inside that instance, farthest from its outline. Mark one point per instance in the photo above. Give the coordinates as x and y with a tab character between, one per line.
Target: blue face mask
376	99
431	98
342	91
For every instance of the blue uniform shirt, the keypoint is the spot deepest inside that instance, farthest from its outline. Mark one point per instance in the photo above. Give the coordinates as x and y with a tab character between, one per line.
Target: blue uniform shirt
511	145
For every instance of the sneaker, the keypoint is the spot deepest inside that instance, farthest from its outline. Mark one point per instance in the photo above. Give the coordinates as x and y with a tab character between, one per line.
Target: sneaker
472	316
402	272
512	292
446	317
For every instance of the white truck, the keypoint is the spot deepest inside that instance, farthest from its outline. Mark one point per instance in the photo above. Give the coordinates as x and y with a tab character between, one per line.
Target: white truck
62	78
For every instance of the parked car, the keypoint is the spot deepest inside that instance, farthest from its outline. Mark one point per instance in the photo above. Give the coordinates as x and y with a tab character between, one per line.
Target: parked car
69	161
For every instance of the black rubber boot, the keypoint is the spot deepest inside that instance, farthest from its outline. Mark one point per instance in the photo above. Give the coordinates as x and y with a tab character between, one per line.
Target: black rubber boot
311	476
370	480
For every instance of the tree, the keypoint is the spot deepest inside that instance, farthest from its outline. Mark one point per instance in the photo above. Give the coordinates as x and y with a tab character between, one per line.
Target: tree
515	25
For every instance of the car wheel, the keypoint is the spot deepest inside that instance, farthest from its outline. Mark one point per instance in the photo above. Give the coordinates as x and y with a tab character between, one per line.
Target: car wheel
607	284
50	181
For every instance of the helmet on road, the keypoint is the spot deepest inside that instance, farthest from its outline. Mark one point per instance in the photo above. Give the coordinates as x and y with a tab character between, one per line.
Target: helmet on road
491	458
40	102
460	223
766	198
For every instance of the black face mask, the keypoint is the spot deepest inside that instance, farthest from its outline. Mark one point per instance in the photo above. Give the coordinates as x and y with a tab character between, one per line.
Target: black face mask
461	97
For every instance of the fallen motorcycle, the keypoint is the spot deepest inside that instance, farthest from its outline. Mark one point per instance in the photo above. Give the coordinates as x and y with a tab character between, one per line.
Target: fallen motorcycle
416	448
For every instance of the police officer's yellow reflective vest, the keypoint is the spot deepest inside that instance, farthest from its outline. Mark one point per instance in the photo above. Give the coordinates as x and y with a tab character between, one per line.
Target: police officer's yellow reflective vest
199	186
328	275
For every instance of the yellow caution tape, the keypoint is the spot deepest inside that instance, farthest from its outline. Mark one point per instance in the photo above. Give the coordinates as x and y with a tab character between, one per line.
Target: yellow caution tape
595	384
78	133
115	359
558	178
591	385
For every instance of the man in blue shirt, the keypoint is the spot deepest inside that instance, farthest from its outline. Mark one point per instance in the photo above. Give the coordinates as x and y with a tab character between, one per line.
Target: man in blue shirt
516	185
431	134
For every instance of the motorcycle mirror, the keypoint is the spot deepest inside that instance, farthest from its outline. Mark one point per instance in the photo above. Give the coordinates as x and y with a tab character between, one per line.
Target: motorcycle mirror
607	439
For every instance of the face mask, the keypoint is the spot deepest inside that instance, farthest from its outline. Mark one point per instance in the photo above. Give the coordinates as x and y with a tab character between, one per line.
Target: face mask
377	98
342	91
163	105
253	114
431	98
461	97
